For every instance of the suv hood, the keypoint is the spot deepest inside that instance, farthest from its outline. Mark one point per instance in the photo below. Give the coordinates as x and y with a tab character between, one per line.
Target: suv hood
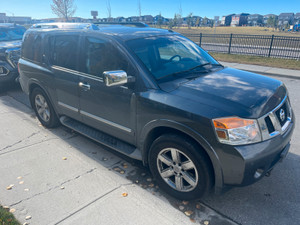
10	44
233	92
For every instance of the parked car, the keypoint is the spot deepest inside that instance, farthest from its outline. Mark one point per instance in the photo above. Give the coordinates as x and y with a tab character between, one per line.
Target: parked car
10	45
156	96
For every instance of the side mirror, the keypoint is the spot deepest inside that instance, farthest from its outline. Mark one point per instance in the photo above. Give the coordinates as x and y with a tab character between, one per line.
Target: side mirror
116	78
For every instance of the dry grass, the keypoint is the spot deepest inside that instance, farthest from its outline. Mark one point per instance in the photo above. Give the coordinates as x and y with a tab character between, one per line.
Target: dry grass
236	30
258	60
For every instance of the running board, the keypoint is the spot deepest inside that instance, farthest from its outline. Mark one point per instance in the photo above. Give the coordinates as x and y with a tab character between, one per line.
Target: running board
102	138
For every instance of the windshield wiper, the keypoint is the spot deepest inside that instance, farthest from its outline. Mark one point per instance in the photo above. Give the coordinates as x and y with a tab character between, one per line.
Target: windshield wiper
187	71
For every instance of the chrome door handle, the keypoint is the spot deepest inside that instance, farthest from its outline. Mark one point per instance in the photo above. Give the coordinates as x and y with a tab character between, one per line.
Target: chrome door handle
84	86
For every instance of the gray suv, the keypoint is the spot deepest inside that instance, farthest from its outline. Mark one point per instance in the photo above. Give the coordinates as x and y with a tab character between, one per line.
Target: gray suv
156	96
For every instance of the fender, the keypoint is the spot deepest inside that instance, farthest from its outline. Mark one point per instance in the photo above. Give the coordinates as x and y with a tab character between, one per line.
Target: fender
191	133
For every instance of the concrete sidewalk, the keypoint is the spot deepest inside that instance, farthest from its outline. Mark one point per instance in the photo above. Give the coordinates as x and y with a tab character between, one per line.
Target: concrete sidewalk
59	177
265	70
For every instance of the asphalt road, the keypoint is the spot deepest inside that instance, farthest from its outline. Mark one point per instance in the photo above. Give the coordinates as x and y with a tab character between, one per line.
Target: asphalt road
273	200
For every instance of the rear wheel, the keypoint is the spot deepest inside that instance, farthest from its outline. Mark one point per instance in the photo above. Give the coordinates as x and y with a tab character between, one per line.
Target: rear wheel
180	168
43	108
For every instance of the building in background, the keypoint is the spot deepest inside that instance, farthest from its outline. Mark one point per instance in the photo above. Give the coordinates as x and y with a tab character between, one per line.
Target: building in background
255	20
285	19
226	20
239	19
14	19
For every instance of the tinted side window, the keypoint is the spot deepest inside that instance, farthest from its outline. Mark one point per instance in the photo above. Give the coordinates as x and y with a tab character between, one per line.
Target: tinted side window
63	51
101	55
32	48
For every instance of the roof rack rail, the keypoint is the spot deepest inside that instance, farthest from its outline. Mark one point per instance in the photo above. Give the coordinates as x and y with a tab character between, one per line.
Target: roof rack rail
64	25
136	24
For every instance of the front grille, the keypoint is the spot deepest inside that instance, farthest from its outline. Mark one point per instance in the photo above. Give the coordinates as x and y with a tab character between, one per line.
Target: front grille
282	114
277	121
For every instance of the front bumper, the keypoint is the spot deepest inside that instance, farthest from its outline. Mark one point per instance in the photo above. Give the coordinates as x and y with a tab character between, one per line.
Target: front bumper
244	165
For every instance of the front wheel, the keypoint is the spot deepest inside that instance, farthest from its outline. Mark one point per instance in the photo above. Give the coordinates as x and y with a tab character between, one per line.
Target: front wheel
43	108
180	168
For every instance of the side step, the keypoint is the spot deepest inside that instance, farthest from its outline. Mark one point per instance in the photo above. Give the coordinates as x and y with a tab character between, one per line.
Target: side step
102	138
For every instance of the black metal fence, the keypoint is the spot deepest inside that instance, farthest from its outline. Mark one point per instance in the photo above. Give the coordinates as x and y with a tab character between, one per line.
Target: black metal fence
260	45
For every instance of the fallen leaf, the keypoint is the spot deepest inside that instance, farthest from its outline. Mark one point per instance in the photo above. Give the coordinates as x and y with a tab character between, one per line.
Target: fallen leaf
122	172
192	220
198	206
26	189
188	213
6	208
185	202
137	181
206	222
9	220
62	187
21	182
25	223
117	169
125	167
64	158
19	178
181	207
104	159
124	194
149	179
9	187
27	217
12	210
151	185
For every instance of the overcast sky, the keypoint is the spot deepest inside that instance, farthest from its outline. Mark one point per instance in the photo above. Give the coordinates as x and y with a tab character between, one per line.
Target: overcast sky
41	8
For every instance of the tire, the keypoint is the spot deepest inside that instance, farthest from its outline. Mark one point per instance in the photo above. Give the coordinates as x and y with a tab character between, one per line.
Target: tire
180	168
43	108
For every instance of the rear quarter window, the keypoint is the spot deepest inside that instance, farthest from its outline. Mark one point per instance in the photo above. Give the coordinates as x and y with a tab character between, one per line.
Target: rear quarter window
32	48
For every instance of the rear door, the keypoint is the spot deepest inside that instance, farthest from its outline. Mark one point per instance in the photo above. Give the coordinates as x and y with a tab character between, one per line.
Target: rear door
109	109
64	59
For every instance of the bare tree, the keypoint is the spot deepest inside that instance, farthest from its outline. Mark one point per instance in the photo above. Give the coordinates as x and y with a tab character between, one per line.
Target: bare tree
139	8
108	7
63	8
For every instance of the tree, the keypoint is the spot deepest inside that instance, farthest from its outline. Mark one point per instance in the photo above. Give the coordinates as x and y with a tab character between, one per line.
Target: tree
63	8
160	20
108	7
189	20
272	21
139	8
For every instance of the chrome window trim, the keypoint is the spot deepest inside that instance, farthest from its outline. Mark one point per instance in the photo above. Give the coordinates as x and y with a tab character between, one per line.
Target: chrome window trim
77	73
278	129
105	121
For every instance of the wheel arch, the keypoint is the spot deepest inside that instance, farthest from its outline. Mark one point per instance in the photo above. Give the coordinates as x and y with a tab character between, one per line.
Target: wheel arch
36	84
156	128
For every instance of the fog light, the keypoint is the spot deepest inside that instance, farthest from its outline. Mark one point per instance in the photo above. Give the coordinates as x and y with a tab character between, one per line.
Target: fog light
258	173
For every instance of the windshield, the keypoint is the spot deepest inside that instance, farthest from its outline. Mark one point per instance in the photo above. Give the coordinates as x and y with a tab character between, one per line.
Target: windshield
168	55
11	34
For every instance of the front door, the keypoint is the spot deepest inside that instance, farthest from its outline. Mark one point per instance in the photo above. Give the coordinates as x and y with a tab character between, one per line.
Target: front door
109	109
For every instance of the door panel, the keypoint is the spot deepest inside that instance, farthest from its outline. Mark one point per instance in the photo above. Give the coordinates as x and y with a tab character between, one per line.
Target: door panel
108	109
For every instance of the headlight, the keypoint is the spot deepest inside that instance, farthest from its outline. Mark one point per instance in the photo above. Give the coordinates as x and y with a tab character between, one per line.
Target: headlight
237	131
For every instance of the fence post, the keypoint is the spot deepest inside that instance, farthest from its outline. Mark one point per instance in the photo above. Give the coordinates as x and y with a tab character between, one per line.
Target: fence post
230	40
271	44
200	40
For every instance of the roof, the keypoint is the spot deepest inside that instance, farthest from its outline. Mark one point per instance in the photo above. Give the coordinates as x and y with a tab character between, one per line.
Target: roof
123	32
286	14
128	33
